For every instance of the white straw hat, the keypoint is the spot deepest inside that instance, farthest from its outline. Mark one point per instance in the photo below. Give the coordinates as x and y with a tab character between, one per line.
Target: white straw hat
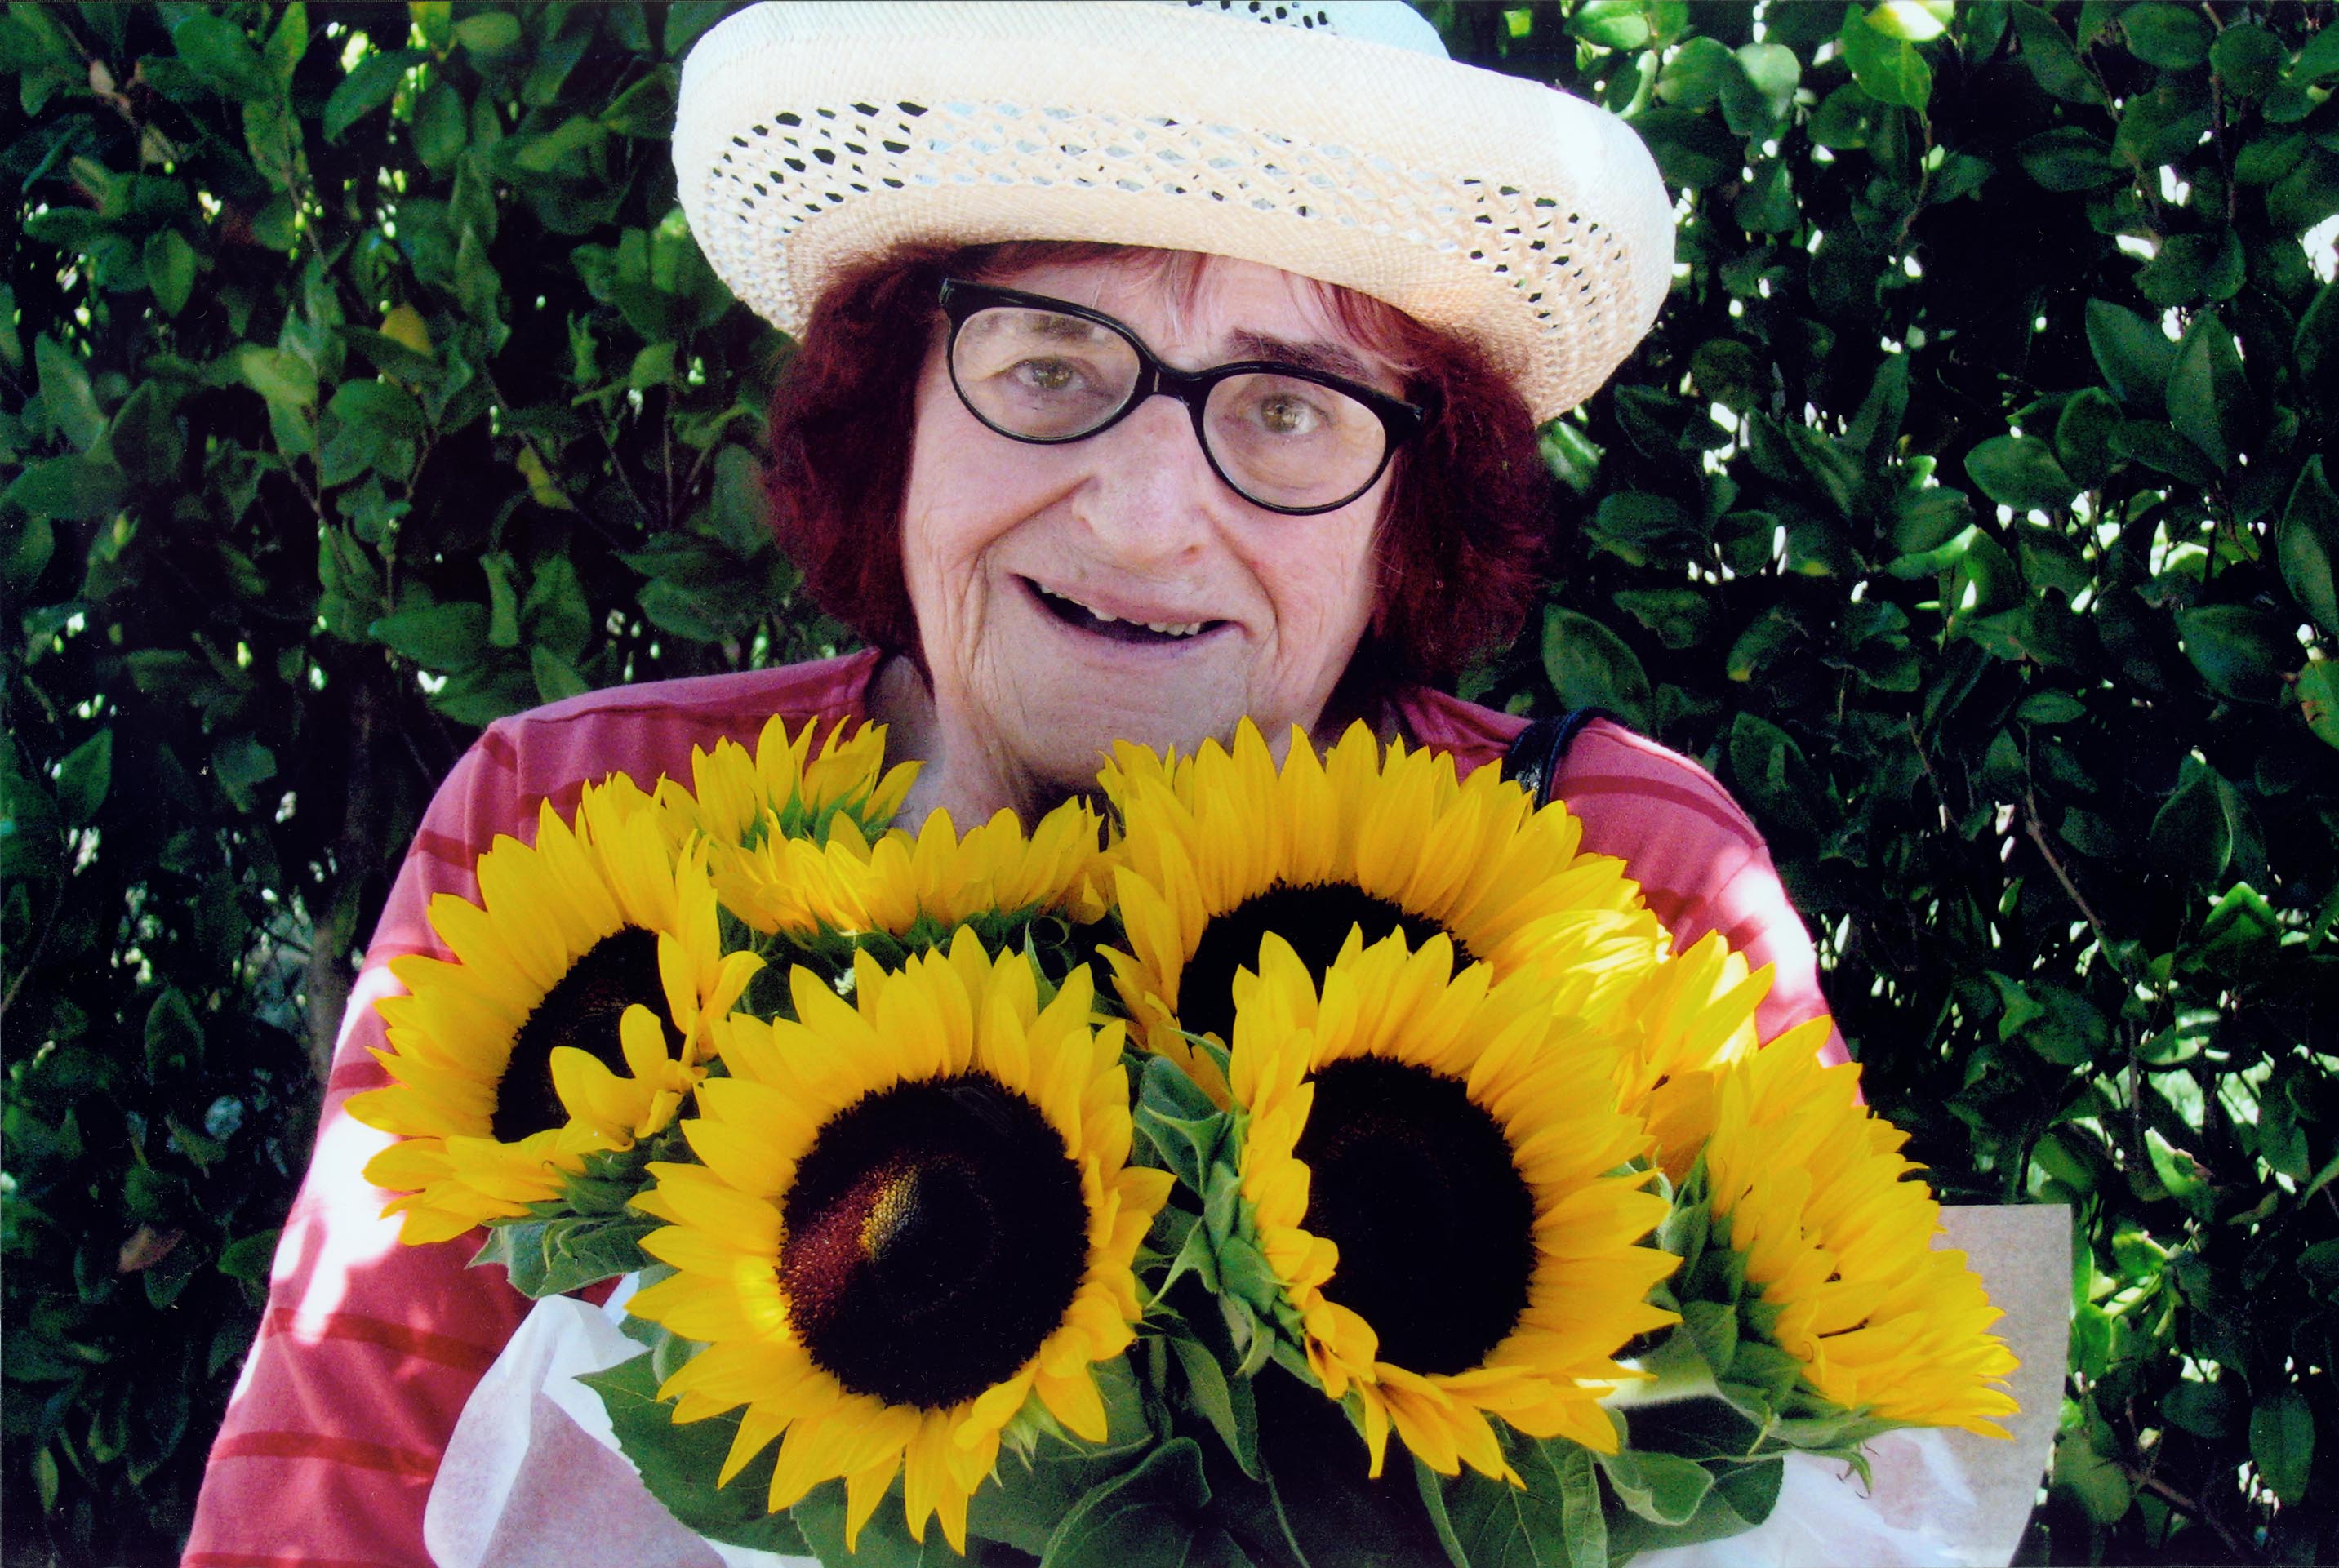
1335	142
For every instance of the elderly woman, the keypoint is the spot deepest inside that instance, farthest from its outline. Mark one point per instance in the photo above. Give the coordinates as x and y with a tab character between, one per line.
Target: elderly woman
1161	366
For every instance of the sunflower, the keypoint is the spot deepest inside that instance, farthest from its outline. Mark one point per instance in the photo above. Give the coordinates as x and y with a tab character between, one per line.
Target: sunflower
917	1214
1219	849
1428	1178
1691	1018
783	790
1809	1187
850	884
766	818
593	948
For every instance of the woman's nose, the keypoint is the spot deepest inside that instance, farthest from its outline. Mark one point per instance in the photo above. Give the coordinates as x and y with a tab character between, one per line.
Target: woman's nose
1149	490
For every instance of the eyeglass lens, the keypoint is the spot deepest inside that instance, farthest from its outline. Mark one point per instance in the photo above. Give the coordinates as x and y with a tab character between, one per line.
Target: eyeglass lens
1281	440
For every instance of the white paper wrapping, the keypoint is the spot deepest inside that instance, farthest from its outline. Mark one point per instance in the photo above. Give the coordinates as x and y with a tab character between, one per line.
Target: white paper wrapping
533	1477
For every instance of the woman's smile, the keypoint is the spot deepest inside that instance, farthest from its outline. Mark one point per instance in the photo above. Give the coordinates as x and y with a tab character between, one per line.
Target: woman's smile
1126	623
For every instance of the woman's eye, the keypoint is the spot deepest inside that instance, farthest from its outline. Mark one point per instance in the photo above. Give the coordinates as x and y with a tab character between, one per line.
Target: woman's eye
1286	414
1047	375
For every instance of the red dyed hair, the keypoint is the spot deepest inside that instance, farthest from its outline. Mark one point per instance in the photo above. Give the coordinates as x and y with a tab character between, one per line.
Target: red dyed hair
1463	536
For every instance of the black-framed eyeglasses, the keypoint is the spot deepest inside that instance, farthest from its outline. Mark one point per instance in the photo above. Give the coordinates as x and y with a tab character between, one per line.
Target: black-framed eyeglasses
1283	437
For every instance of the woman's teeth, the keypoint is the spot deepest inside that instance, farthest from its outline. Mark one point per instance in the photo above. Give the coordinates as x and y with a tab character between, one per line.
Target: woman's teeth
1083	615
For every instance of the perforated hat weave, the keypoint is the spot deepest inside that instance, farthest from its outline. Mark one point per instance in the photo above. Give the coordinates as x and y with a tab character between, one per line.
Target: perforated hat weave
812	135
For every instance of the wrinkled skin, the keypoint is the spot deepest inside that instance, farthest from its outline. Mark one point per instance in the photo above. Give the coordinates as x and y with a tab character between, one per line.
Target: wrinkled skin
1027	695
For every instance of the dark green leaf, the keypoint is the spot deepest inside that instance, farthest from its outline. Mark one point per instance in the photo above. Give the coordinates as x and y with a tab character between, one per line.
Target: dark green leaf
1845	119
2068	158
1636	525
646	108
2100	1484
2083	435
366	89
2241	651
174	1042
2021	472
1589	666
2152	443
2315	344
283	378
2193	267
441	127
73	488
1225	1402
2193	831
2281	1442
2318	700
1694	77
1613	24
66	393
1692	151
170	264
2208	399
84	778
1660	1487
2133	353
1144	1519
556	678
486	693
2306	546
2308	194
2047	49
31	547
1770	776
2247	59
1767	204
145	435
1877	425
1679	617
249	1259
389	356
239	764
221	55
1888	69
488	31
2318	60
451	636
1760	91
2173	38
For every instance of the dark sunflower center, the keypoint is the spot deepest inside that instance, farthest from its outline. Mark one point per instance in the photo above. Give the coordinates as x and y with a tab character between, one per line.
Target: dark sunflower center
582	1009
935	1236
1415	1186
1315	920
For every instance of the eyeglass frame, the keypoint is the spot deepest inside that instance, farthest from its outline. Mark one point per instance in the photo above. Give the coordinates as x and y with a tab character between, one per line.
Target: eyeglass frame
1400	422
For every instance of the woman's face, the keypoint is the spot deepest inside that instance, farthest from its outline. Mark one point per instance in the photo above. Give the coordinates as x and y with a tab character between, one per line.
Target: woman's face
1038	572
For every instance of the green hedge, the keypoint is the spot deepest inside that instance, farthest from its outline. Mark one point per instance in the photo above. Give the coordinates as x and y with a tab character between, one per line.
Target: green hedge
1963	514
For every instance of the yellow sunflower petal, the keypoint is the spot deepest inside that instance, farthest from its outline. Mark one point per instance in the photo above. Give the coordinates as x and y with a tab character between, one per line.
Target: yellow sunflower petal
957	1027
1584	1276
1852	1241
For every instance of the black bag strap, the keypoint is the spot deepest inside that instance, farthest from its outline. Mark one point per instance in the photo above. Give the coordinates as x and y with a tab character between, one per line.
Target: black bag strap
1534	759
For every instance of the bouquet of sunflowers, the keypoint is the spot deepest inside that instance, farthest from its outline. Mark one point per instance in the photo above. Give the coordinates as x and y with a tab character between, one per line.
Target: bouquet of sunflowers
1115	1193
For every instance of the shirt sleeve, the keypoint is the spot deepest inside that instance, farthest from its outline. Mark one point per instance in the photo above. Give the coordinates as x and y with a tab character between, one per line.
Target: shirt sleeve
368	1348
1699	862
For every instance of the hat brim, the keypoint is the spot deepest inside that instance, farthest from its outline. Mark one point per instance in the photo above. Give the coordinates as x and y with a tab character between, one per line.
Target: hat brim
1500	210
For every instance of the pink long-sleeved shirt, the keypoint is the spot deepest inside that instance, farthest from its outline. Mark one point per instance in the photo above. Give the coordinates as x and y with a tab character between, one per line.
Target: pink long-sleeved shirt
368	1348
